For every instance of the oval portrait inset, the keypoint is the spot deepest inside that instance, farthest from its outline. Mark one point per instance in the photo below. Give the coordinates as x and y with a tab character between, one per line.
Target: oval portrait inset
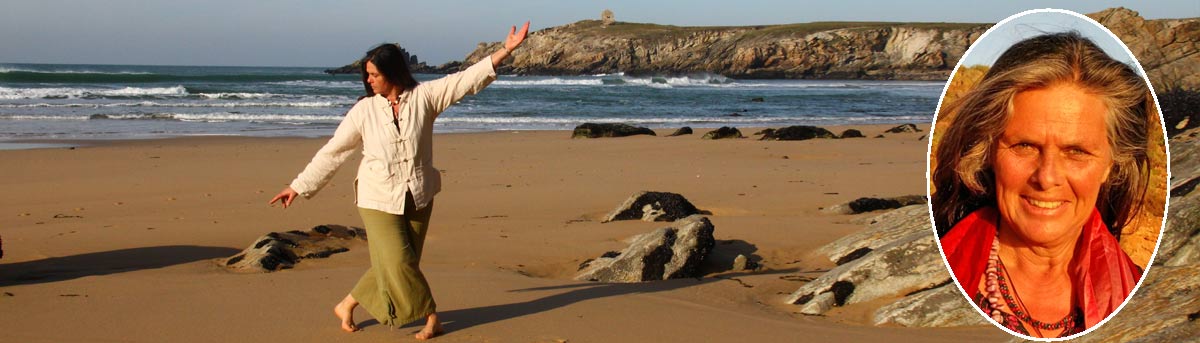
1048	175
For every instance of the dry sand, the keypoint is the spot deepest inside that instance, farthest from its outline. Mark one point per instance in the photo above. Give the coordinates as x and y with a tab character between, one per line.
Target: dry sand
116	241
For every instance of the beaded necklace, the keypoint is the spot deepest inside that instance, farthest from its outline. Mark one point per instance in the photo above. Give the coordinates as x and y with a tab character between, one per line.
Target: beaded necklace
997	287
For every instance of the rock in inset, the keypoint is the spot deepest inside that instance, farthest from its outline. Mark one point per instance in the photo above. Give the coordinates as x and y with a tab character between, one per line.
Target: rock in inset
667	253
653	207
282	250
593	130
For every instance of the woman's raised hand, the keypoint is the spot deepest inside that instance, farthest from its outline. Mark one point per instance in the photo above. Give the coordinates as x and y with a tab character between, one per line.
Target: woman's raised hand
286	195
515	38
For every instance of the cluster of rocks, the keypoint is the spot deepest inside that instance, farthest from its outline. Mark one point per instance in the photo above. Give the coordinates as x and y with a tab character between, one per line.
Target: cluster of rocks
672	252
789	133
282	250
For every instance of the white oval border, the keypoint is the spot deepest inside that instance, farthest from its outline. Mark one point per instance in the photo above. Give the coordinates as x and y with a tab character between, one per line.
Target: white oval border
1166	146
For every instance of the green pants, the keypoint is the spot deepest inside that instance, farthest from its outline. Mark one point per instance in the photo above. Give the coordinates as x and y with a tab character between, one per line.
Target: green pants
394	290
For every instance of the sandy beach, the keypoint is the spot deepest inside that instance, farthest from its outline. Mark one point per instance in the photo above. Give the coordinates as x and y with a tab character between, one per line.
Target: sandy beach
118	240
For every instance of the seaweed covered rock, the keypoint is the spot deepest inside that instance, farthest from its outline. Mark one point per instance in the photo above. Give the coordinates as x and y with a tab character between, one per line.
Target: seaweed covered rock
282	250
796	133
852	133
667	253
863	205
594	130
686	130
653	207
723	133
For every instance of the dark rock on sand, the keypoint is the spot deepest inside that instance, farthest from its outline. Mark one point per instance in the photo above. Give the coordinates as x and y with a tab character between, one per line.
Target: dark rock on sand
903	128
653	206
797	133
282	250
862	205
766	131
723	133
593	130
686	130
667	253
852	133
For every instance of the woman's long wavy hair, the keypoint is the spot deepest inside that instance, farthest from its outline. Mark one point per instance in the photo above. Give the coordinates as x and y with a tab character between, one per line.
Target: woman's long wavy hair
391	62
964	180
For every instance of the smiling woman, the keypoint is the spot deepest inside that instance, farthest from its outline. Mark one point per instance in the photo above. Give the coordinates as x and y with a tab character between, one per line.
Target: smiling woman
1044	164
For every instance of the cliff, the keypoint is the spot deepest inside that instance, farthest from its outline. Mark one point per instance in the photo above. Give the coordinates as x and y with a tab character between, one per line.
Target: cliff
822	50
1168	49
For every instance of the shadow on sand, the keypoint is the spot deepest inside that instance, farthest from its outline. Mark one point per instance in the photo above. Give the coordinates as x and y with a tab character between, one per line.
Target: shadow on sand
465	318
103	263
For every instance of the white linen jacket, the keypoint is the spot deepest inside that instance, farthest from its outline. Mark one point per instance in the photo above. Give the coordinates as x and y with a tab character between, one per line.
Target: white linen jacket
397	158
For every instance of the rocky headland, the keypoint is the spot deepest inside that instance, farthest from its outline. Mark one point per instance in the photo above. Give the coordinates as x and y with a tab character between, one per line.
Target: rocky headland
819	50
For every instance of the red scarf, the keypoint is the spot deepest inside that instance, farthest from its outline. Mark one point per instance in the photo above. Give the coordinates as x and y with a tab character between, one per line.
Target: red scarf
1102	272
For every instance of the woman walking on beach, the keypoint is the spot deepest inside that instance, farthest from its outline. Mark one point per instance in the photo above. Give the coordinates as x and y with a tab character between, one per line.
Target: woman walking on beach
396	180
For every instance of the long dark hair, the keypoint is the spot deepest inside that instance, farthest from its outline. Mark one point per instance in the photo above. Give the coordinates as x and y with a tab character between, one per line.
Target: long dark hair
963	179
392	63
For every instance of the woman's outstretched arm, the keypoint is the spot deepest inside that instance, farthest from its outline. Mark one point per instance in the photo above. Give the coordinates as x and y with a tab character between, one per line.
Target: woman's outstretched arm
346	139
514	40
441	93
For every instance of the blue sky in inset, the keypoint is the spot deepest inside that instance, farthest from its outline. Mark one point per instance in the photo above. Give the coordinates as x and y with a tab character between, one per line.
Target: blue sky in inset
1002	36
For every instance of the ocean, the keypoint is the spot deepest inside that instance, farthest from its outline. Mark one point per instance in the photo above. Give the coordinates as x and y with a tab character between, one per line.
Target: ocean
52	102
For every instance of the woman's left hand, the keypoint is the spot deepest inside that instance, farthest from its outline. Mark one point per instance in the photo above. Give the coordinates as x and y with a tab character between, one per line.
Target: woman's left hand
516	38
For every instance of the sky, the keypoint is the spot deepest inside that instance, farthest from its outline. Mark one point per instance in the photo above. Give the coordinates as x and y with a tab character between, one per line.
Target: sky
323	33
999	38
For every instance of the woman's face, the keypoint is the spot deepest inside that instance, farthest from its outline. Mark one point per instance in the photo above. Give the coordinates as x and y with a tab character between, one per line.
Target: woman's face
379	84
1050	162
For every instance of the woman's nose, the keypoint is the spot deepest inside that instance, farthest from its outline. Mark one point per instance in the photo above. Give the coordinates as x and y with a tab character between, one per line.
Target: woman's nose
1048	173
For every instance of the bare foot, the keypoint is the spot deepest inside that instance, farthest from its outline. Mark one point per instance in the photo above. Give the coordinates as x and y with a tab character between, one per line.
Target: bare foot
433	328
345	311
